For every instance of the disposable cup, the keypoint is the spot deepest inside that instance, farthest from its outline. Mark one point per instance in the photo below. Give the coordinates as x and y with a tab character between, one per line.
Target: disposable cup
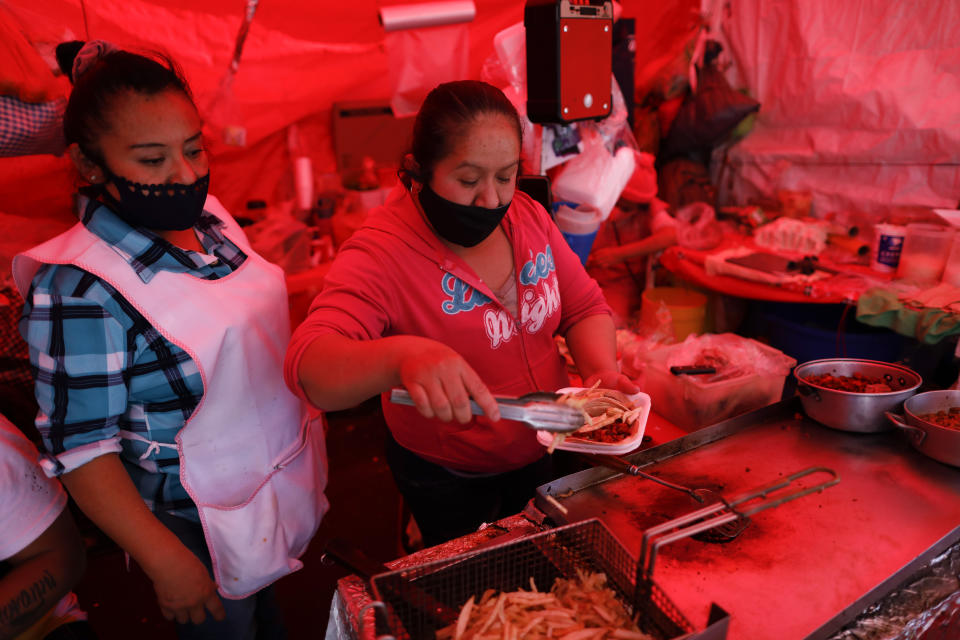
925	251
951	273
887	245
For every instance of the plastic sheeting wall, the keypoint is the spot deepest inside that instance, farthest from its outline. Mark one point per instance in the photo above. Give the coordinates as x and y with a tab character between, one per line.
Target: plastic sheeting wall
300	56
858	97
859	101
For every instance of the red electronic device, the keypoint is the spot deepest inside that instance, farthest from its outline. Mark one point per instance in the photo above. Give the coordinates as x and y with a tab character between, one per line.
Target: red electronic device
569	58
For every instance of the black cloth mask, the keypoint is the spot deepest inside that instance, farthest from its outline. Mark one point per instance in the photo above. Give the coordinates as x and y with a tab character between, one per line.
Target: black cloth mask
465	225
164	207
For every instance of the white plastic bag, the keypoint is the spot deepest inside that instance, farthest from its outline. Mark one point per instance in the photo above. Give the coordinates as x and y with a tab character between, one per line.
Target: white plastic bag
790	234
420	59
595	177
731	355
697	227
283	240
507	68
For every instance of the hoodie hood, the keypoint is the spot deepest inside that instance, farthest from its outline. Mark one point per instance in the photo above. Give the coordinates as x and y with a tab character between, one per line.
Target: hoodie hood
400	218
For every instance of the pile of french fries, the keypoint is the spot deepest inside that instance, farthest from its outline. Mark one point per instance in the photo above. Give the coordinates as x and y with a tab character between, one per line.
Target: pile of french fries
581	608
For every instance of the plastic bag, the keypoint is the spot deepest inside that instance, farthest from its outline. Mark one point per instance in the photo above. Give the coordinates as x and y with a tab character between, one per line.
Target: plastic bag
642	186
632	347
507	68
708	116
420	59
595	177
697	227
615	128
790	234
283	240
510	46
748	375
731	355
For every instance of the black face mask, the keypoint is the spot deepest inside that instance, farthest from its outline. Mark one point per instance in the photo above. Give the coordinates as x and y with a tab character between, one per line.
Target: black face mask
164	207
465	225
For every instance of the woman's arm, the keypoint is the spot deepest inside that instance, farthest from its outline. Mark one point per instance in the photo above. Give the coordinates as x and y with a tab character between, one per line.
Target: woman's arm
657	241
593	345
64	327
337	372
43	572
103	490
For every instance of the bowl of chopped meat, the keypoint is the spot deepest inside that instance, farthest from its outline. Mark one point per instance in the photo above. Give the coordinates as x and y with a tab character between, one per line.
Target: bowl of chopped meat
850	394
931	421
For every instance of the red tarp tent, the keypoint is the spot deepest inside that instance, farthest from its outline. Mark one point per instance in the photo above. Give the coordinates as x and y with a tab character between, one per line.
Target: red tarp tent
857	101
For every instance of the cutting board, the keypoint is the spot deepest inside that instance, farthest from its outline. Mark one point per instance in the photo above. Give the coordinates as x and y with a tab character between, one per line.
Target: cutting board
766	262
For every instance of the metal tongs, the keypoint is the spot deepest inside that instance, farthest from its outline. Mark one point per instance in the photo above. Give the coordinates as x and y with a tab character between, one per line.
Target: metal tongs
540	410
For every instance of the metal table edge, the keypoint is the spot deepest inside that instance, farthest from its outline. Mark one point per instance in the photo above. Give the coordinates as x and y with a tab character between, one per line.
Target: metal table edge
881	590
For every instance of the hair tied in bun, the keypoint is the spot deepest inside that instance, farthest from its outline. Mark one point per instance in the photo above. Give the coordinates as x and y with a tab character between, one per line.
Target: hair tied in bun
88	55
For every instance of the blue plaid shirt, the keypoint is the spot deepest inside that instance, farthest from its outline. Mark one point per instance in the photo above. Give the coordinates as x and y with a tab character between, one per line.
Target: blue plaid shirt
100	368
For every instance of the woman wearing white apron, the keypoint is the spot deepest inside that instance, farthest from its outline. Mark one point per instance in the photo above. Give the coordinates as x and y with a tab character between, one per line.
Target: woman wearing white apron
158	337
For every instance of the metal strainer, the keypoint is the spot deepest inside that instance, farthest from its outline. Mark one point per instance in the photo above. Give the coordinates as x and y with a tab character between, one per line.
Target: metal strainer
740	507
724	532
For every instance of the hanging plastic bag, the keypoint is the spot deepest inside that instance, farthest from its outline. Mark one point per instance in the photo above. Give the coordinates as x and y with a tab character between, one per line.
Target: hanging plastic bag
595	176
708	116
427	43
509	62
506	68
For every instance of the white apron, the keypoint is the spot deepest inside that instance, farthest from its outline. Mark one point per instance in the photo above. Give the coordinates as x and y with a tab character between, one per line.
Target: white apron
250	459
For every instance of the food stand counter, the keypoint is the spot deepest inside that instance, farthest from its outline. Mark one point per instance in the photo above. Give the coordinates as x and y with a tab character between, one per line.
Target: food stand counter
801	570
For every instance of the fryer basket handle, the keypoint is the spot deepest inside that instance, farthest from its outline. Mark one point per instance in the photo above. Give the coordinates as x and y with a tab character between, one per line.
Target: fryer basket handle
381	628
719	513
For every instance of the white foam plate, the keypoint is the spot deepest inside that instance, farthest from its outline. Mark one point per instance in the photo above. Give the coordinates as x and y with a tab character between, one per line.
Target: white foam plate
639	399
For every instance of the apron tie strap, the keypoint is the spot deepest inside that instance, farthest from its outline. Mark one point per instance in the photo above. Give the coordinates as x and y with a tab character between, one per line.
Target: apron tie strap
152	445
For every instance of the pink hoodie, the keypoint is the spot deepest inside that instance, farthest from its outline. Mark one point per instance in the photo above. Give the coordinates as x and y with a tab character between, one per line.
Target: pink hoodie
395	277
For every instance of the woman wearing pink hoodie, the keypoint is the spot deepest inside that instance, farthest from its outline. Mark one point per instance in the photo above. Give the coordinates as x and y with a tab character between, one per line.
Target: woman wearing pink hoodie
454	290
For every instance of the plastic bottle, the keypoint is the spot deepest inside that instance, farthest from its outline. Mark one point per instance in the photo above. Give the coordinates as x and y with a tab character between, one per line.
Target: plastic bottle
302	172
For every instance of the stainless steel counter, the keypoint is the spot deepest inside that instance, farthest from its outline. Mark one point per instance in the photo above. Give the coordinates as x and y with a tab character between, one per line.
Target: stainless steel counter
803	569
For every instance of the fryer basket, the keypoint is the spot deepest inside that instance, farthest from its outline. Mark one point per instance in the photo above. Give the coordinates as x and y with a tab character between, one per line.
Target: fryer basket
588	545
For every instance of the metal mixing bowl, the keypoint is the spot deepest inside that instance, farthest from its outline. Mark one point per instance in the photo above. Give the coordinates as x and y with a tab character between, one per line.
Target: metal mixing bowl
937	442
850	411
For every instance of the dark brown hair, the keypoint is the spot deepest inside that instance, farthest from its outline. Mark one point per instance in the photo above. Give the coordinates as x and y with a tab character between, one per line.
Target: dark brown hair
96	90
443	119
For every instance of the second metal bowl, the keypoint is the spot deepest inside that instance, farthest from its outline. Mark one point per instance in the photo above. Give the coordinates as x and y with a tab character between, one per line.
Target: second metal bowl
931	439
852	411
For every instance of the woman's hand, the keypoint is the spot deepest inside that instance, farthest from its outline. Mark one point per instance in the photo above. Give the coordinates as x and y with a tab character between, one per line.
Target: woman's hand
593	345
184	589
104	491
441	383
612	380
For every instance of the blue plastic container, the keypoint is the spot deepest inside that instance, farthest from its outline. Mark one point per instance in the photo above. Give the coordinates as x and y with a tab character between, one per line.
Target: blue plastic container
579	225
815	331
580	243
